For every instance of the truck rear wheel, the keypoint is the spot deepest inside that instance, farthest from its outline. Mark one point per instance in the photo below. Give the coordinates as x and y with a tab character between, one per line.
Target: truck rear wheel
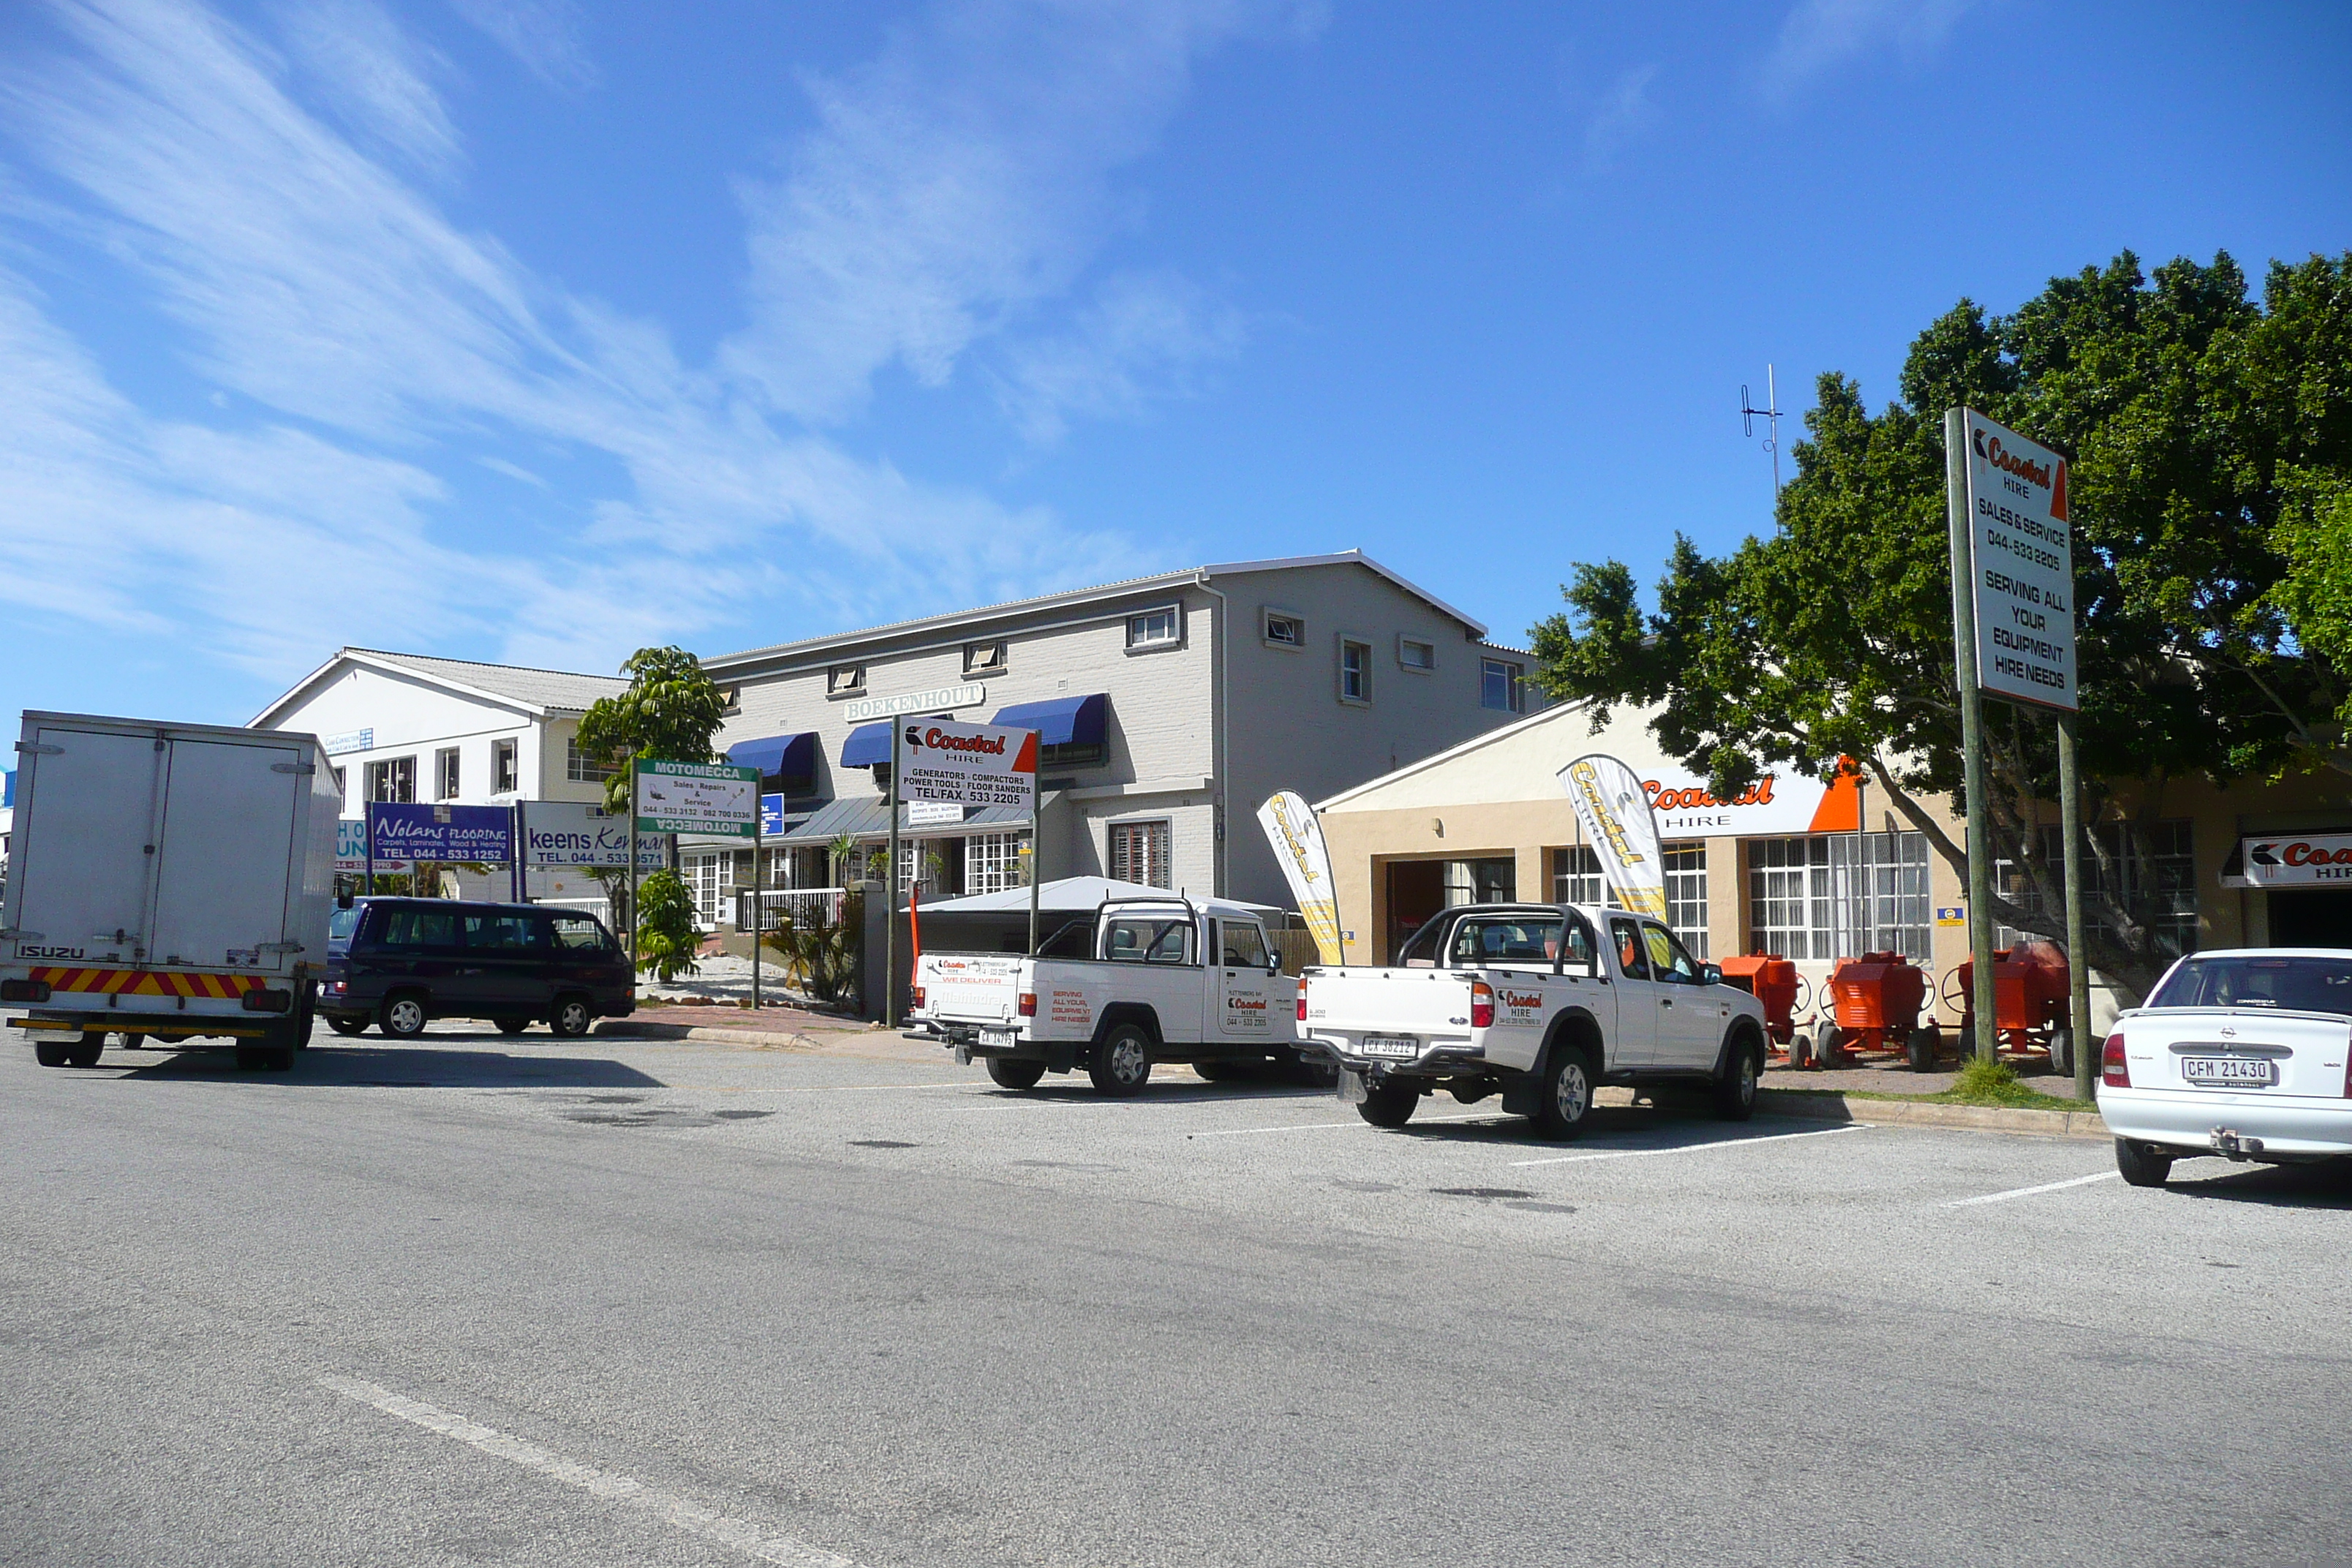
1011	1074
265	1058
1388	1104
1567	1097
1122	1063
85	1052
52	1053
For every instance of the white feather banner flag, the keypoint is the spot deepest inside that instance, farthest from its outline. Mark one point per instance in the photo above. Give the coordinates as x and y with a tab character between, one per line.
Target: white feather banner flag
1297	839
1615	811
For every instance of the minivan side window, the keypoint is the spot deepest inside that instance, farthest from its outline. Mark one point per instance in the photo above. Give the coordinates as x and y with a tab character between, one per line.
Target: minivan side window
406	926
503	933
578	932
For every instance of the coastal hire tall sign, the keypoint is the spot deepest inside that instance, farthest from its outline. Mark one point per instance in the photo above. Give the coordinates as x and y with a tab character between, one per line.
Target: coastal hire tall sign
2013	637
938	761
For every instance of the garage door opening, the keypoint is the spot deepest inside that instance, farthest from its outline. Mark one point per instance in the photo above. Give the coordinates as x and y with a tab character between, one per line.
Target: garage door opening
2316	916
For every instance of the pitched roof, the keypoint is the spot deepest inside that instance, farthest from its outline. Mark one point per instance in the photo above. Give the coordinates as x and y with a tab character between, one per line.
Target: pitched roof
543	691
810	646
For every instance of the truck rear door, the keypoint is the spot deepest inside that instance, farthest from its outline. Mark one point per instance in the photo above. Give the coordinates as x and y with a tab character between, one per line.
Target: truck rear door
85	840
223	867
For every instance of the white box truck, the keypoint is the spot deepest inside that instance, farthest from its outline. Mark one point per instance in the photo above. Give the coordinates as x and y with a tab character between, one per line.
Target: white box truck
169	883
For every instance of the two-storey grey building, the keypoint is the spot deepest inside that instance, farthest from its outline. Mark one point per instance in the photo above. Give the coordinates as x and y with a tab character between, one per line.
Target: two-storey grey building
1168	706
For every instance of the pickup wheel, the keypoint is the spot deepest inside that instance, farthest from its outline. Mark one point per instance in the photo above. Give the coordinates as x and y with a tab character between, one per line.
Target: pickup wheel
1219	1071
1567	1097
1734	1086
1011	1074
1122	1063
2143	1164
1388	1104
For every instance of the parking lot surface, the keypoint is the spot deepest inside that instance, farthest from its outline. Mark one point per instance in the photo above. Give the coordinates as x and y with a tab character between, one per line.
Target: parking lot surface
483	1299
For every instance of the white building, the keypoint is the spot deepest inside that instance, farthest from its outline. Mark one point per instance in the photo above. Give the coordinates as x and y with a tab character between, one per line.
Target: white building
1170	706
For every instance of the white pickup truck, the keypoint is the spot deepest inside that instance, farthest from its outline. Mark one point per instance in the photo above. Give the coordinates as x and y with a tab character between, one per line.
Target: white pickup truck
1529	1001
1140	981
2242	1053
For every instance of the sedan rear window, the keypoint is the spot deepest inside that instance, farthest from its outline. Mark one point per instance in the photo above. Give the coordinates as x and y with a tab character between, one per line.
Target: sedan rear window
2296	985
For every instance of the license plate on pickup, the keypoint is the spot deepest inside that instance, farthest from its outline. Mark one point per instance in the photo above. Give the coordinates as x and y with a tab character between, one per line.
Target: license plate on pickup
999	1036
2230	1072
1403	1046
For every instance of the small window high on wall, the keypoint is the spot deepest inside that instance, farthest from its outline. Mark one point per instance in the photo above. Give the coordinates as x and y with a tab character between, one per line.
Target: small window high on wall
1139	853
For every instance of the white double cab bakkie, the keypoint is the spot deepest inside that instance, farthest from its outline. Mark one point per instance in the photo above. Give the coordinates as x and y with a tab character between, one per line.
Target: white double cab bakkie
171	883
2245	1053
1541	1003
1139	980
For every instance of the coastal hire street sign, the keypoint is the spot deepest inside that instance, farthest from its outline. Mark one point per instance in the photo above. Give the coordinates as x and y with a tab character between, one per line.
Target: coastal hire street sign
711	798
2020	549
969	764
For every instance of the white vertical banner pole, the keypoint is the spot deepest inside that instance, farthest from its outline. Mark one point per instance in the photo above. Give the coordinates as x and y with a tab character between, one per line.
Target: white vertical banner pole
1037	844
890	890
759	886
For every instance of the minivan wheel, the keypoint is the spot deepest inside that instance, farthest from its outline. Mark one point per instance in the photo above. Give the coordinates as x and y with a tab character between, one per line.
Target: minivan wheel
572	1018
346	1023
1122	1063
511	1025
402	1017
2143	1164
1567	1097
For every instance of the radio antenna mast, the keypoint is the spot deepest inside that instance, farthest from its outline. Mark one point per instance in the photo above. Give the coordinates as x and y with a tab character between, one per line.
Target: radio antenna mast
1772	412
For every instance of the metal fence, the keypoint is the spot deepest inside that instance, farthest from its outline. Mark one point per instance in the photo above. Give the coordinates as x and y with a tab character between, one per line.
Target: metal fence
803	904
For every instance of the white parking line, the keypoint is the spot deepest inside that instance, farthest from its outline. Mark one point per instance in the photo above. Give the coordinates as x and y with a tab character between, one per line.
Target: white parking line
690	1516
1322	1126
1695	1148
2029	1192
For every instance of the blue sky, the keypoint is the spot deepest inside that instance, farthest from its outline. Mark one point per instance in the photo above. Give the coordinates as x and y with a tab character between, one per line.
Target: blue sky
534	331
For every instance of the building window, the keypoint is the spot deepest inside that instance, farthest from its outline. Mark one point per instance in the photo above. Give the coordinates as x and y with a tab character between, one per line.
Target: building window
1284	631
1090	755
1686	896
445	774
394	779
1501	686
844	680
1576	878
580	768
1812	898
1414	654
1138	853
1494	881
342	785
983	658
993	862
2163	893
506	767
1355	670
1163	628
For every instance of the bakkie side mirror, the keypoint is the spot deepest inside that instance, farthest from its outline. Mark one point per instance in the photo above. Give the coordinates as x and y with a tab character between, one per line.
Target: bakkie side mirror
1710	975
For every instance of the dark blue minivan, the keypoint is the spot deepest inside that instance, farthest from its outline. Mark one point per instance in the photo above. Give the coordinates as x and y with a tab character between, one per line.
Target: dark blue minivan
399	963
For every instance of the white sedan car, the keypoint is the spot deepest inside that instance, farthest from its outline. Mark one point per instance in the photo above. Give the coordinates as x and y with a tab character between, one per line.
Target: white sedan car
2241	1052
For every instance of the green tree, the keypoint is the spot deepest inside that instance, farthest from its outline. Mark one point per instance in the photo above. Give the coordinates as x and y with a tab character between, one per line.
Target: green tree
669	713
668	940
2210	437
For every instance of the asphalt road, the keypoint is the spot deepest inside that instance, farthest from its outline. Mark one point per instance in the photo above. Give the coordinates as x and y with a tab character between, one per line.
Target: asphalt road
625	1303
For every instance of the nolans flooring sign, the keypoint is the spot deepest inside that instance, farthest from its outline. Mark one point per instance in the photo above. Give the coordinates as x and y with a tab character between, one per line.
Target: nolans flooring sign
969	764
449	834
2020	549
711	798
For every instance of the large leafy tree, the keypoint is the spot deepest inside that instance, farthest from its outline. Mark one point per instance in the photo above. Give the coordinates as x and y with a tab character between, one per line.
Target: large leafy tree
2212	446
669	713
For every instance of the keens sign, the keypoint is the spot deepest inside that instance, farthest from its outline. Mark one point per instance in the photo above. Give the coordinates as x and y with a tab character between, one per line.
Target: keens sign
571	833
969	765
2021	548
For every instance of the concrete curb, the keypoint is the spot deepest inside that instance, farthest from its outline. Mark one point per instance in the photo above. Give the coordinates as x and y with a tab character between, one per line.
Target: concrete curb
1829	1105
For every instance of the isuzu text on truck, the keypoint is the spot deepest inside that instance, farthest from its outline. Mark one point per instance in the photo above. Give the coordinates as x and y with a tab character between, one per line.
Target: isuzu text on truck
1534	1002
1143	981
169	883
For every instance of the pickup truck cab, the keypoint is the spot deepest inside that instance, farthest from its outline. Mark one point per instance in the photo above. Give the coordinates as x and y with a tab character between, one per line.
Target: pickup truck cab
1541	1003
1140	981
2238	1052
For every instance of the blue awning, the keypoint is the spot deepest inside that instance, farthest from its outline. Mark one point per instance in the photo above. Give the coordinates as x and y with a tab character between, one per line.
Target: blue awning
1062	721
868	745
778	756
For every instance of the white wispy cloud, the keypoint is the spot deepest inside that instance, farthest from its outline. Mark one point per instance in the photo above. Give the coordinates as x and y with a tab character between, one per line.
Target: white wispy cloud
958	181
1818	36
1623	112
386	347
544	34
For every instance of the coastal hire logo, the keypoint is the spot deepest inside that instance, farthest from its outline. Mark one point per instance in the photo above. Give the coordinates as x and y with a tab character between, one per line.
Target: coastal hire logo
1989	448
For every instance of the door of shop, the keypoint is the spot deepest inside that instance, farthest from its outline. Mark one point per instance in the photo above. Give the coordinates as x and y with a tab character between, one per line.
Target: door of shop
1416	892
2314	917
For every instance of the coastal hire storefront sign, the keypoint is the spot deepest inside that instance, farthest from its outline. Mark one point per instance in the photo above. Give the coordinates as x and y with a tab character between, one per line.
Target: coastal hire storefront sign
967	765
713	799
2020	546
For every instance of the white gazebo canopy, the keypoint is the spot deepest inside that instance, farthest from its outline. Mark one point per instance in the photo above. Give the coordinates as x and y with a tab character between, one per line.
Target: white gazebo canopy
1079	895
